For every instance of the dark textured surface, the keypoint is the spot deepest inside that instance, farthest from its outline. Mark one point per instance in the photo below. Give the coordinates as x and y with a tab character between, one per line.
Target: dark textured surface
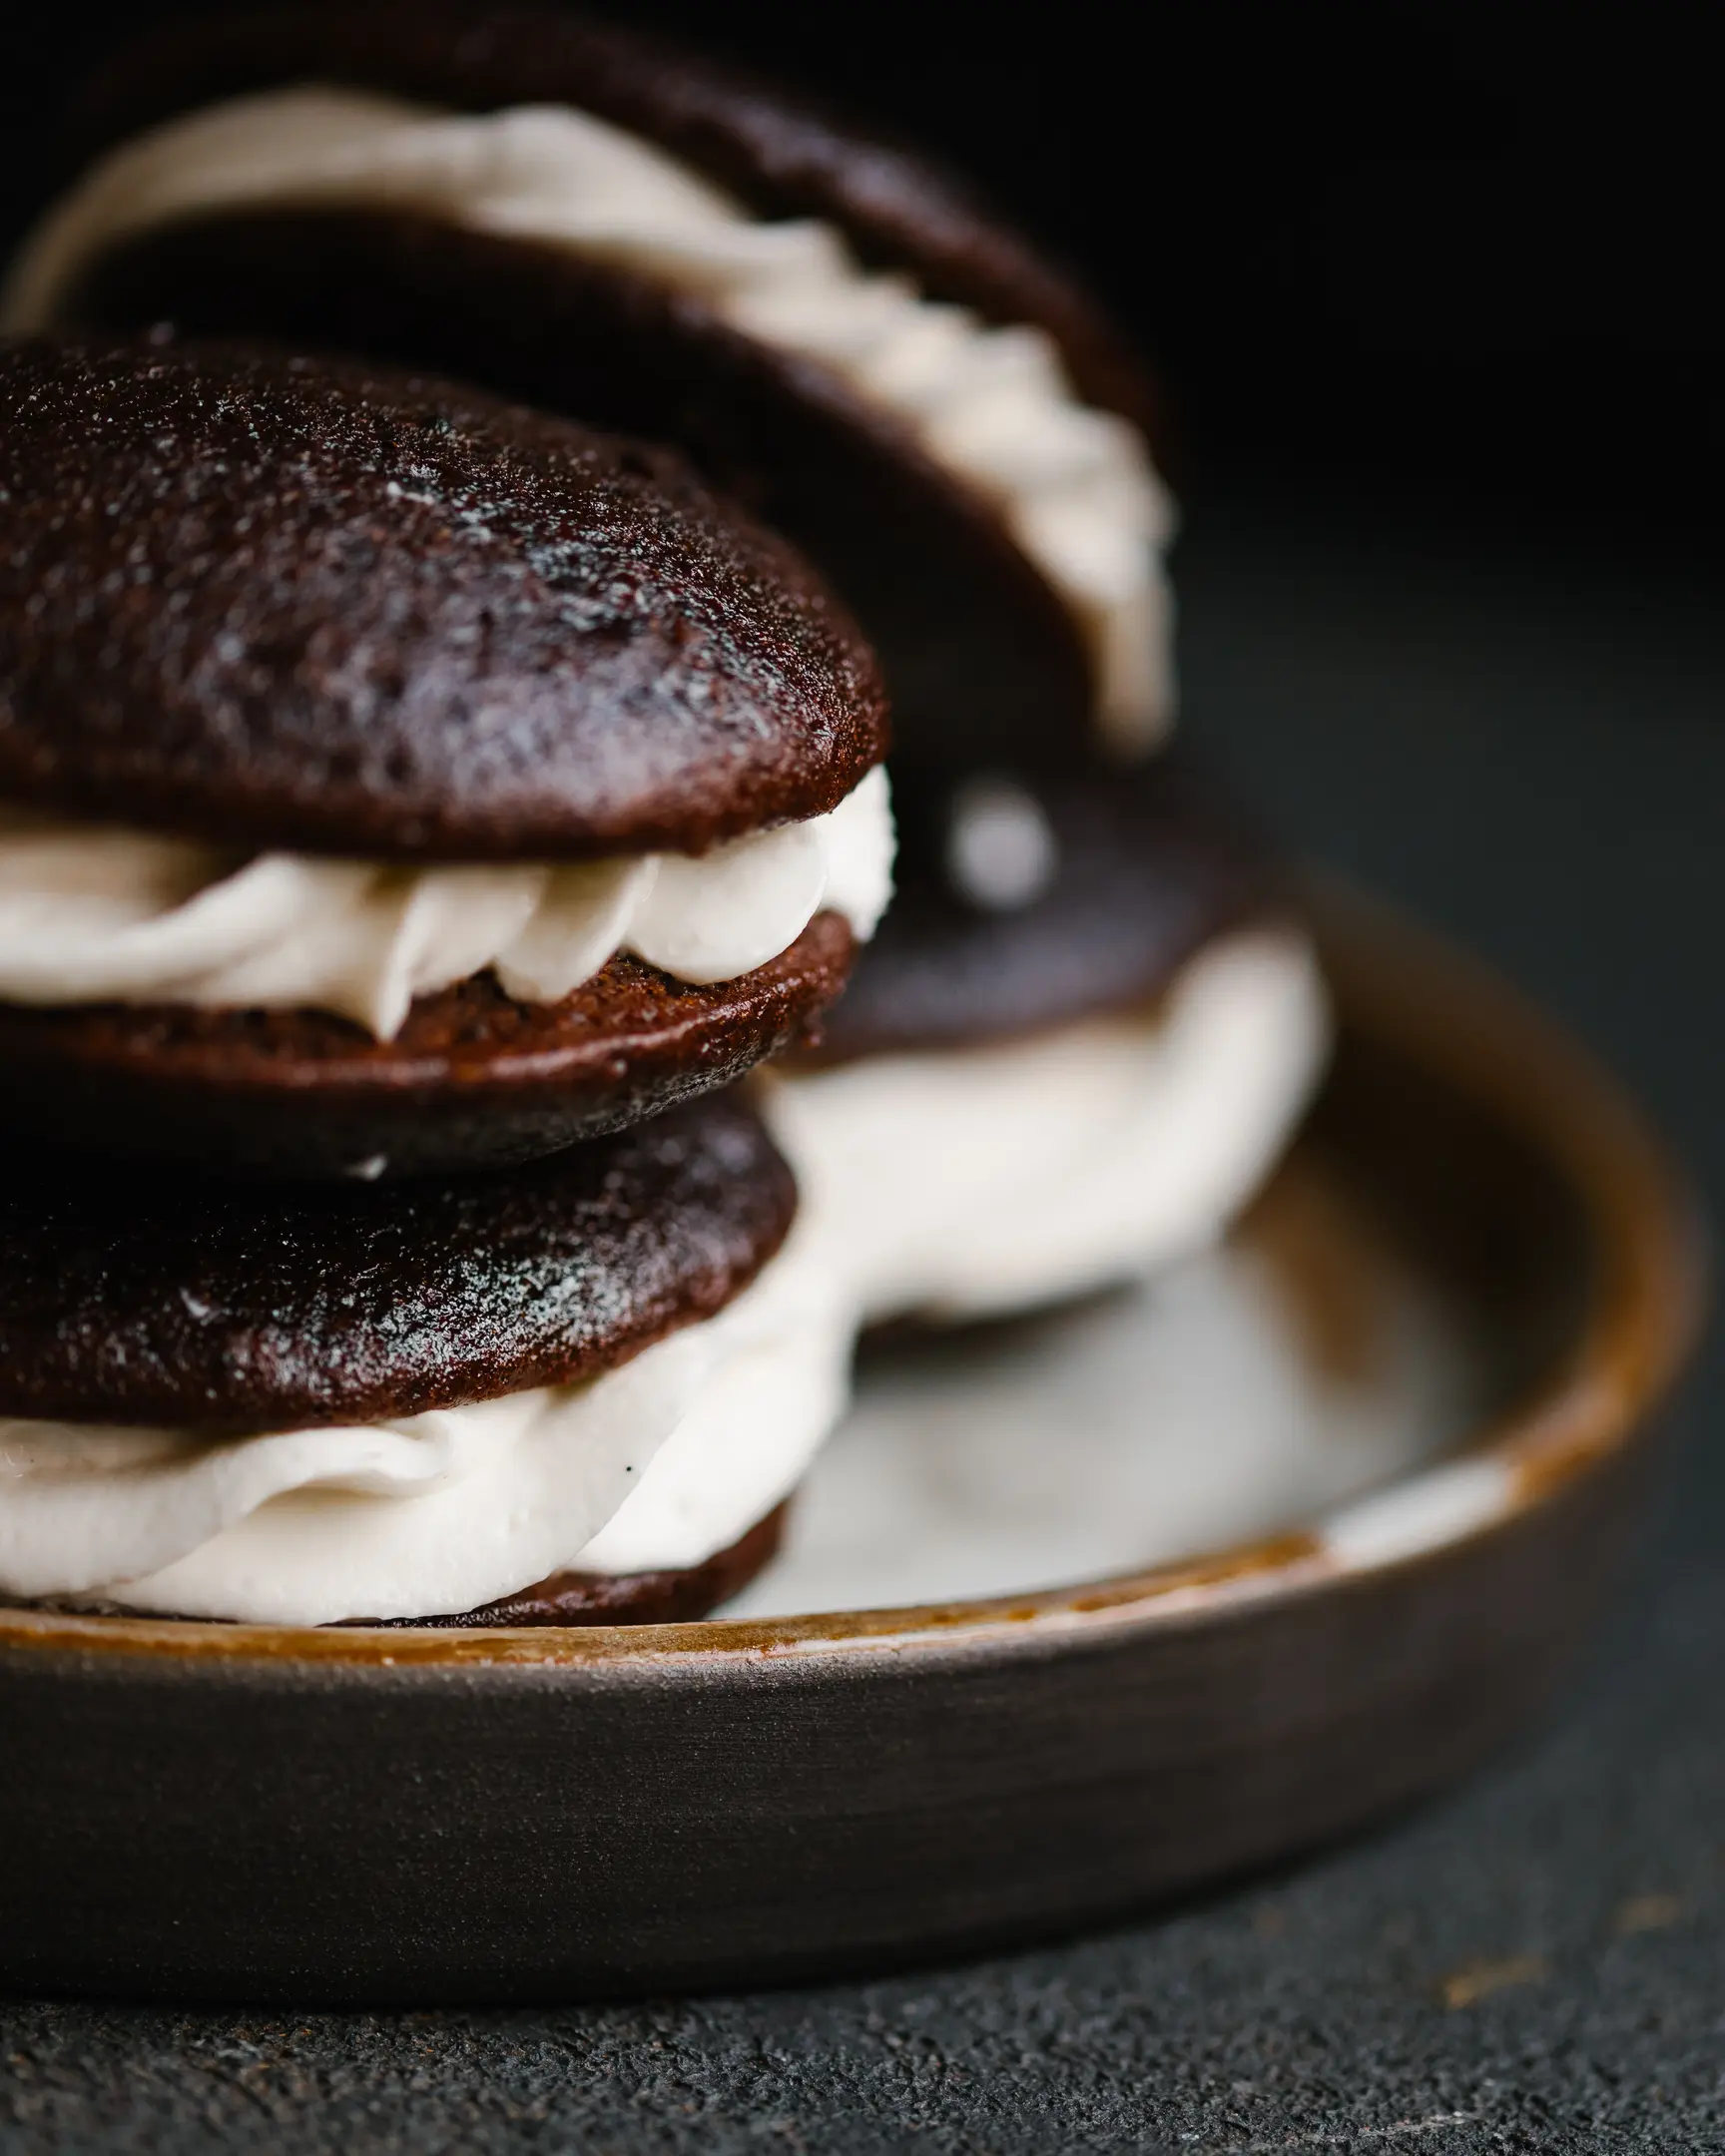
268	604
154	1298
473	1077
976	646
784	154
1149	864
1529	748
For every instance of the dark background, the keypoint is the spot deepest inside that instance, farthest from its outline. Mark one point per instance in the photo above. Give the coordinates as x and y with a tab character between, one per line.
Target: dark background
1434	294
1449	256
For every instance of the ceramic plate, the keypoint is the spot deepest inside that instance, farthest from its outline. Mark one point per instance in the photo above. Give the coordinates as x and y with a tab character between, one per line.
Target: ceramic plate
1339	1500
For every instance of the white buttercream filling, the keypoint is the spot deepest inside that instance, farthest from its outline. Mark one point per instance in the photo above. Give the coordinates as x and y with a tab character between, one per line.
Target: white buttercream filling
764	1410
992	1179
90	914
658	1463
993	406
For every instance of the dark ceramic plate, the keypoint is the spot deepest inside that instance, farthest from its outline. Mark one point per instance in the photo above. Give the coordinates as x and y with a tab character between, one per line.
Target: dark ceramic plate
247	1813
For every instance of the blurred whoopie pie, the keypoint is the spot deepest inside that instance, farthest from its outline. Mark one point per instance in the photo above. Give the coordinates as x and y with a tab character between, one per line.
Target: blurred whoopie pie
582	217
573	1390
1080	1041
392	779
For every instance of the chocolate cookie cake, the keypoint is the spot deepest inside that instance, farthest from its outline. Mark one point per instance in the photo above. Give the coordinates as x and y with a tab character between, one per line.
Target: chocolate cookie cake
562	1386
392	779
1082	1040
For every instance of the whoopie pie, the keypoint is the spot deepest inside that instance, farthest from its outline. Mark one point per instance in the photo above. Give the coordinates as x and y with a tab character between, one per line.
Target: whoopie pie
434	1399
1080	1041
578	216
392	779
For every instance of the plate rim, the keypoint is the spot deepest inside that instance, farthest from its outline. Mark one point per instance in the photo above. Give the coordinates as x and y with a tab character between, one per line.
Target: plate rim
1395	982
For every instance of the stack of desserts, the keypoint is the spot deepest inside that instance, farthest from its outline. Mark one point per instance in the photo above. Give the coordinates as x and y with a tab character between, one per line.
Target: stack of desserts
419	810
1091	1017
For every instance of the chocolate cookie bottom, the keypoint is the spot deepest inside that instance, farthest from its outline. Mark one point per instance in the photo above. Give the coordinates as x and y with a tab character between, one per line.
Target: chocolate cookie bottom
474	1079
585	1598
603	1598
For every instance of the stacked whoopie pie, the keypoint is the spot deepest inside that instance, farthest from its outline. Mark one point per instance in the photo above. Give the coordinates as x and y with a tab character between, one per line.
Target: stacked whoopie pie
417	811
1092	1017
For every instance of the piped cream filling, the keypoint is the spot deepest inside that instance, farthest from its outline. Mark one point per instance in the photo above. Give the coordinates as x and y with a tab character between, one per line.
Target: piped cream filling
988	1180
992	406
660	1463
90	914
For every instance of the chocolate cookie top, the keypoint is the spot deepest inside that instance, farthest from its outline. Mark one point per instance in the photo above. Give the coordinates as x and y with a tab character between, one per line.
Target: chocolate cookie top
1031	898
327	606
163	1300
780	152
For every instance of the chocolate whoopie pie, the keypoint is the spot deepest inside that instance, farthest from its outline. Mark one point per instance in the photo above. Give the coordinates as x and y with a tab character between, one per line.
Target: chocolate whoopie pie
782	151
153	1325
578	216
1083	1040
393	780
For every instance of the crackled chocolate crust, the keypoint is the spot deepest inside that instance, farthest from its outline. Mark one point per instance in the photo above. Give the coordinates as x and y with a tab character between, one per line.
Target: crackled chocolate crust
474	1079
777	149
601	1598
161	1299
339	608
982	656
1151	863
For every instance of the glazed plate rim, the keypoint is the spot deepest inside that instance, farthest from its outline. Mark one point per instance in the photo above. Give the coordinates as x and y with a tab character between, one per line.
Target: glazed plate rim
1396	982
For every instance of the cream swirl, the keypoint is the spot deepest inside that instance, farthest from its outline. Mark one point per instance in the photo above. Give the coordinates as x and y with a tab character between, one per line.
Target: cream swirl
92	915
664	1462
980	1181
992	406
